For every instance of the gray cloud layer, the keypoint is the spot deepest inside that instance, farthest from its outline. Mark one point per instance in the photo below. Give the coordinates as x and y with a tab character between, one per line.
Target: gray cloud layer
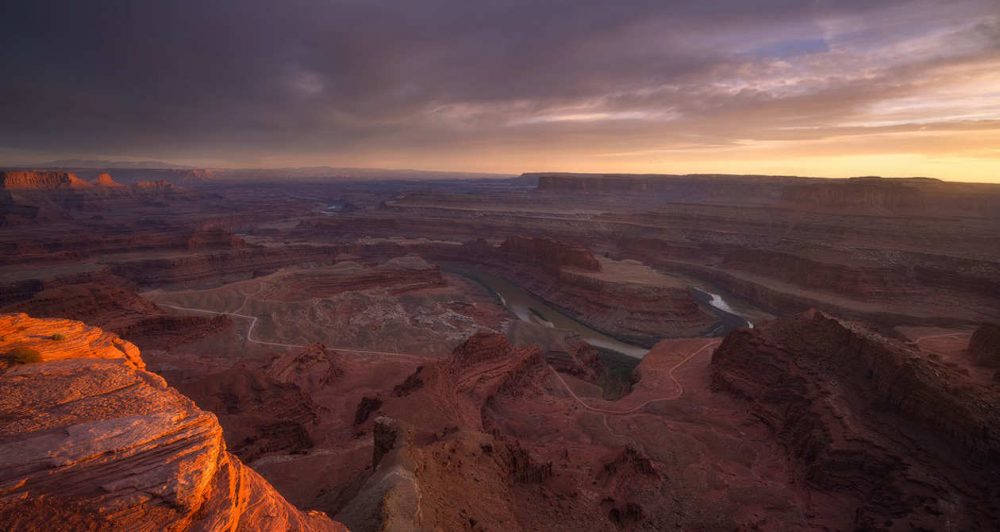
279	81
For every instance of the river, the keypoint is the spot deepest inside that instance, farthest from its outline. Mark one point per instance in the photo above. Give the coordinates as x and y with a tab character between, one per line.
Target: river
527	307
532	309
728	318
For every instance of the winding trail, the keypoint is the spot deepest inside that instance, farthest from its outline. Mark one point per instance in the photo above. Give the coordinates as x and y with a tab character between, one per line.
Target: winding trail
678	393
679	387
253	323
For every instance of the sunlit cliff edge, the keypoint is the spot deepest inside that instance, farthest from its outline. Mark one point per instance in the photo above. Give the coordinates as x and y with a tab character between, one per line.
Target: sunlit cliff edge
91	440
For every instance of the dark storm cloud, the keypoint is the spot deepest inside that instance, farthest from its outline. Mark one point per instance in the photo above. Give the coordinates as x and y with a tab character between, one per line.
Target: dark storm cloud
231	80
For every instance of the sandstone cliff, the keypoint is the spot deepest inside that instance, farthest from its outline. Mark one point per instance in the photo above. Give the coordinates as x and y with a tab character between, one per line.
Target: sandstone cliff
108	302
874	196
653	188
37	180
91	440
104	179
549	254
234	263
432	464
870	418
859	195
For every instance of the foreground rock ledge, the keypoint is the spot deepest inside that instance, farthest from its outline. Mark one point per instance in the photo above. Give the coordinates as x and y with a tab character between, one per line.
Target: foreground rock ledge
89	440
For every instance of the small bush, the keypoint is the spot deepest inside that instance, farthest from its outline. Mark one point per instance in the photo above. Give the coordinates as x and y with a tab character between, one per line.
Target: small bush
58	336
23	355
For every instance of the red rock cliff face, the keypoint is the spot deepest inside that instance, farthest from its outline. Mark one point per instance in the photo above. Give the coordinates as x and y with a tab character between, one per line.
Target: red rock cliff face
985	345
858	195
433	463
650	189
108	302
92	441
235	262
867	417
879	196
104	179
549	254
595	184
854	280
35	180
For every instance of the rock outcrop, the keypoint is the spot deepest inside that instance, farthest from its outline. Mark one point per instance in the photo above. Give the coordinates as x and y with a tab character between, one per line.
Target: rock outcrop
104	179
92	441
550	255
654	187
868	417
985	345
861	195
108	302
434	450
580	360
481	347
312	368
486	367
194	268
58	339
869	195
40	180
396	275
439	484
260	414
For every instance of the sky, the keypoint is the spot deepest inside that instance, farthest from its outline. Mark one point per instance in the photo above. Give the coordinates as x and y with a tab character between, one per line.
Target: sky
805	87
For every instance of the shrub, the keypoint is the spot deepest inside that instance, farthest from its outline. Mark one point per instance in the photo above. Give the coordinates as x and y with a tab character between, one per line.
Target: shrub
23	355
58	336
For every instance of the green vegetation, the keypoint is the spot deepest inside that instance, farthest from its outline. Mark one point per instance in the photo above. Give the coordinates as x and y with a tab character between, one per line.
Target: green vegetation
23	355
58	336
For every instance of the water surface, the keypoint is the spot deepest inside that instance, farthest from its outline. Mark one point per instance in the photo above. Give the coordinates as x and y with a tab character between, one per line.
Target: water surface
527	307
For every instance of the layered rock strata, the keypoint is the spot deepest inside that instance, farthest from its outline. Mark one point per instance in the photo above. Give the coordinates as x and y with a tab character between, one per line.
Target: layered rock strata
630	302
91	440
910	438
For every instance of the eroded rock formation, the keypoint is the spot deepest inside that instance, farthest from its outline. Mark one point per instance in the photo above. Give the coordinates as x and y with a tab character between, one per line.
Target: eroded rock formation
41	180
550	255
985	345
104	179
867	417
109	302
624	299
445	452
91	440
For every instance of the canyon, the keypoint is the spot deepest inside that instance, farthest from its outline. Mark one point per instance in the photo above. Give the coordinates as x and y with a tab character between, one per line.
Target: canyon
225	350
